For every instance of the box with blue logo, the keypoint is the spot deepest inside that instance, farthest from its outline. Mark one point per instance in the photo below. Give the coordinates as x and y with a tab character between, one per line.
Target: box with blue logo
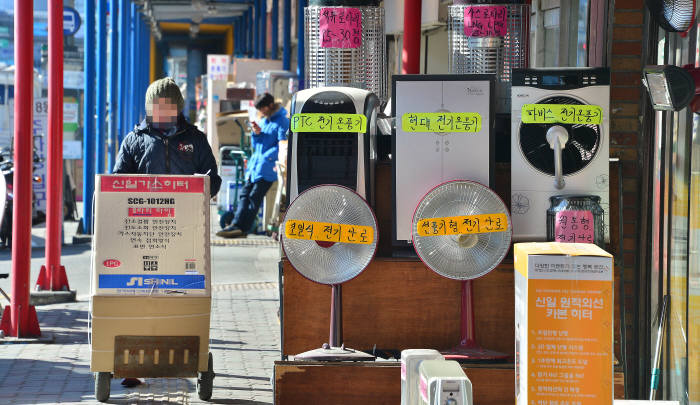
151	236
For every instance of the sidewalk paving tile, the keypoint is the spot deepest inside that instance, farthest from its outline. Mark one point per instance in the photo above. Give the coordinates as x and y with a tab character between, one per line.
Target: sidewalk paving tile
244	343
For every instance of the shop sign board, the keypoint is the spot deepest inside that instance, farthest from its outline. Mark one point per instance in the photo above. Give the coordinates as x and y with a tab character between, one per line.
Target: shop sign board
152	235
40	132
218	67
71	21
563	324
73	79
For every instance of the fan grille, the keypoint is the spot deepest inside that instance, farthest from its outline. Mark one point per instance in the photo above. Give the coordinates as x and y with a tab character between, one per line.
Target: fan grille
444	254
673	15
584	143
342	261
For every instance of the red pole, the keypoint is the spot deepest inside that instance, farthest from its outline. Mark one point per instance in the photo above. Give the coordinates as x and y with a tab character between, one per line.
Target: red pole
19	319
55	278
410	58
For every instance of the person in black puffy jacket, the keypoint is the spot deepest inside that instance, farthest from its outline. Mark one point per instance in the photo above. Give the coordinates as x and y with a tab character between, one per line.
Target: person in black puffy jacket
164	142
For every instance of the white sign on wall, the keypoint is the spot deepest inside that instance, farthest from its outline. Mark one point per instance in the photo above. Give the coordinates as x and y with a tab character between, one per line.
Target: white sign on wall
218	67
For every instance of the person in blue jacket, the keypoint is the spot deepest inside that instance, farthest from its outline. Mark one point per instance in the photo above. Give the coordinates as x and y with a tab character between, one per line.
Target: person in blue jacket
261	172
164	142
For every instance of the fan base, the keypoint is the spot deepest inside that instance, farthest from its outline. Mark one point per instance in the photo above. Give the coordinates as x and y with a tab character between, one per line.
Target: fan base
465	353
334	354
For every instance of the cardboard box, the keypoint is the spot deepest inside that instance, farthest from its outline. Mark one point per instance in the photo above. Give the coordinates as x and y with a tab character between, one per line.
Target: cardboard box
151	235
563	324
229	130
146	316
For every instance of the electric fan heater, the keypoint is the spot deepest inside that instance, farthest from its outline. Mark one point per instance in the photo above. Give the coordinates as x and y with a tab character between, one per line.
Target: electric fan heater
559	143
344	158
410	378
429	144
462	231
330	236
443	382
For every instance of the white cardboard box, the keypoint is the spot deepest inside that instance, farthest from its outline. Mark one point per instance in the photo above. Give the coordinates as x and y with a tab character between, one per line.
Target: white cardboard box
151	235
563	324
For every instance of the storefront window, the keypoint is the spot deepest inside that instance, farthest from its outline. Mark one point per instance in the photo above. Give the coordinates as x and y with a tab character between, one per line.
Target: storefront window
675	261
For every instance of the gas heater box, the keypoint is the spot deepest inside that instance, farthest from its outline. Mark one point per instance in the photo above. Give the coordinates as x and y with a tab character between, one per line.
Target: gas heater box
343	158
559	144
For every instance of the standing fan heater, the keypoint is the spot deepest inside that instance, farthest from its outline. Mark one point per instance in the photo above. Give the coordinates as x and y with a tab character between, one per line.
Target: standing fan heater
344	158
331	249
552	158
477	249
345	45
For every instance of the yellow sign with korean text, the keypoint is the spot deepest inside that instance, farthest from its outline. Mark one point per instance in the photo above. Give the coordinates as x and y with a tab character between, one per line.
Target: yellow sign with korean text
328	232
441	122
331	122
561	114
460	225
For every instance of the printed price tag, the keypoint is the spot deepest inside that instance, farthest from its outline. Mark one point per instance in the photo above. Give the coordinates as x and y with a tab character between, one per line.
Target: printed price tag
561	114
341	27
466	224
316	122
327	232
486	21
441	122
574	227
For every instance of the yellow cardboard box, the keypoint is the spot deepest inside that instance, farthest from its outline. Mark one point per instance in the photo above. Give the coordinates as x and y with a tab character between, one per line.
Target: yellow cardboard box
563	324
146	316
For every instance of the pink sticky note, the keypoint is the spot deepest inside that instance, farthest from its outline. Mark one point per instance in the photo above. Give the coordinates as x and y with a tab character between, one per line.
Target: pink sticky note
486	21
574	227
341	27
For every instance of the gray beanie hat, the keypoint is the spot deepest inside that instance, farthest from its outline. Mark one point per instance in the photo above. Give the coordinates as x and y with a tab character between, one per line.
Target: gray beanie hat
163	88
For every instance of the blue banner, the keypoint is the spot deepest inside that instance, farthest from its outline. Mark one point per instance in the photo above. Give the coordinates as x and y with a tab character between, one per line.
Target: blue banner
167	281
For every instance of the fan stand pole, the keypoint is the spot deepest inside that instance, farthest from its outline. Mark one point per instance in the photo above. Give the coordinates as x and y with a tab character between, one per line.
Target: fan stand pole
335	350
468	349
335	338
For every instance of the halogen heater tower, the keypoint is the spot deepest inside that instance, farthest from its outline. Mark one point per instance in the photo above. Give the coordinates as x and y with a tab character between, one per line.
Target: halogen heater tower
485	38
560	143
332	154
345	45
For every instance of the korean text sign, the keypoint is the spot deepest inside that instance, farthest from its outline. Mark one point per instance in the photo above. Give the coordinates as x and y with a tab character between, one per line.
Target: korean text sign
441	122
564	323
574	226
328	232
460	225
340	27
486	21
218	67
151	235
335	122
561	114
